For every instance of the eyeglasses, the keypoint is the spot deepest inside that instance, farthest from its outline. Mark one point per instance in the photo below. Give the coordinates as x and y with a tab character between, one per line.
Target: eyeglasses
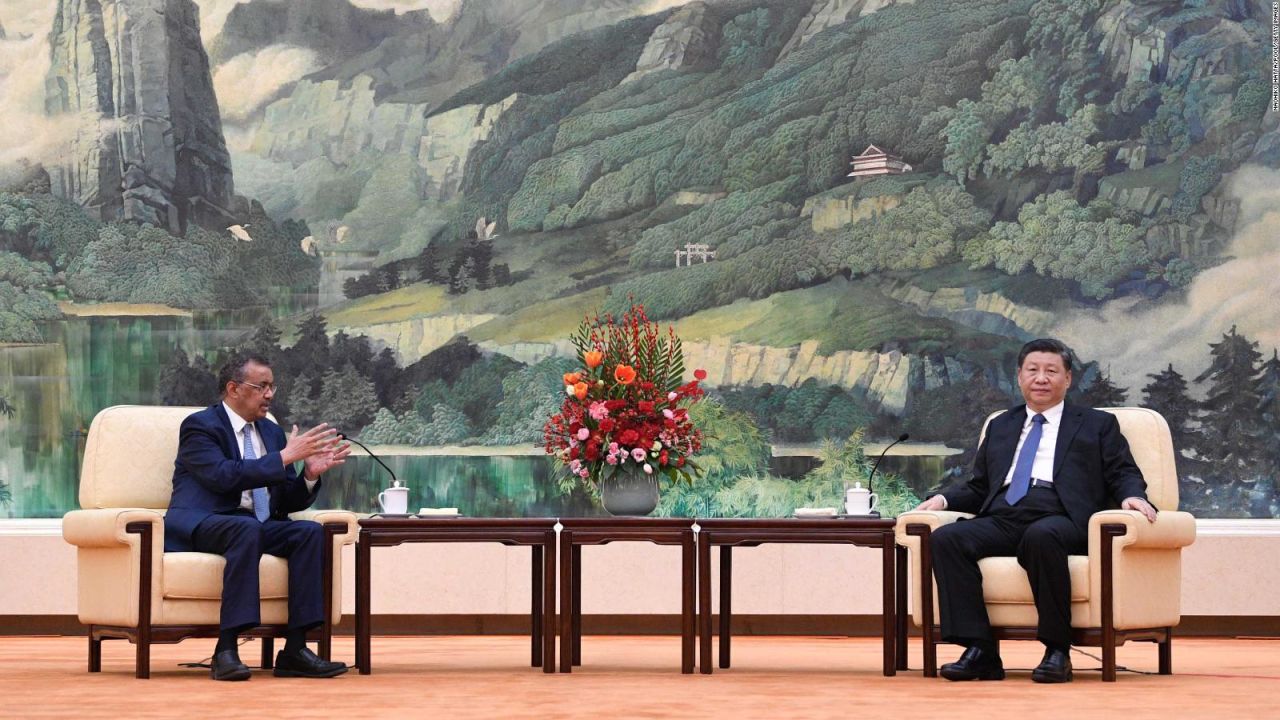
265	389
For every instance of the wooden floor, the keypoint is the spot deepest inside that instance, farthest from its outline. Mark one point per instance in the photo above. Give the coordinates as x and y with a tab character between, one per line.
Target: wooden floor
634	677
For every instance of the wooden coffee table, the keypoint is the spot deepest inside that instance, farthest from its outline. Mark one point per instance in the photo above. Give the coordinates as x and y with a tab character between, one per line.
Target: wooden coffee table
576	532
538	533
728	533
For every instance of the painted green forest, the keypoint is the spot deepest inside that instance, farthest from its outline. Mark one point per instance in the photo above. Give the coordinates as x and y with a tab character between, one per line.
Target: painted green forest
409	210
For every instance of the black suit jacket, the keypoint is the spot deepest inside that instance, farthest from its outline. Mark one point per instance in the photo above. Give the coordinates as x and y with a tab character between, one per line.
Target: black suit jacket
208	475
1092	467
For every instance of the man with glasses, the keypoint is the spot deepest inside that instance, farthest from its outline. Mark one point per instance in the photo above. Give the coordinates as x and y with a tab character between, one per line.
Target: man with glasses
234	485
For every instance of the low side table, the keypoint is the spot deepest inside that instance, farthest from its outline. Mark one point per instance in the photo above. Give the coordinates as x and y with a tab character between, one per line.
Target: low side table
728	533
576	532
538	533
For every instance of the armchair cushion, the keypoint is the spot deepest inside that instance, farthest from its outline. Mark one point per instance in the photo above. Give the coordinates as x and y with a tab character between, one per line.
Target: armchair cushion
1004	581
198	576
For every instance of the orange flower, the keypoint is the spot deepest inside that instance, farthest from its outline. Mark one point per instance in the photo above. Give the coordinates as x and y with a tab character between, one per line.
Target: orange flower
624	374
580	390
571	378
593	358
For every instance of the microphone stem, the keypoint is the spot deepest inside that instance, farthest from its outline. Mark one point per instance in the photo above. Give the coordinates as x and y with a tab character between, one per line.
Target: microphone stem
379	460
877	464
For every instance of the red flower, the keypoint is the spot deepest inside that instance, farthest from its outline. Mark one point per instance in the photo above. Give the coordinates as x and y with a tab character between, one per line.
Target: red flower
628	437
645	406
606	425
700	374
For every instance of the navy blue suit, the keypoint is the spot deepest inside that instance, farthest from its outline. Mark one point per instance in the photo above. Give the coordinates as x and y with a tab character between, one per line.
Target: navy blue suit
1092	470
205	516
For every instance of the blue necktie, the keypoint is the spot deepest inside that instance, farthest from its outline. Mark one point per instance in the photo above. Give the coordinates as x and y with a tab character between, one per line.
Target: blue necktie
1022	469
261	500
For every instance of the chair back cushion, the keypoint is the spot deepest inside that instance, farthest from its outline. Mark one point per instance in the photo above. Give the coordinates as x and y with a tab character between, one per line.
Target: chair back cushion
128	457
1152	446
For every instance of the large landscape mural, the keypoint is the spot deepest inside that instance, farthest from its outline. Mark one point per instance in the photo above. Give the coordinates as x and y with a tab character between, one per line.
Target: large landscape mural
409	205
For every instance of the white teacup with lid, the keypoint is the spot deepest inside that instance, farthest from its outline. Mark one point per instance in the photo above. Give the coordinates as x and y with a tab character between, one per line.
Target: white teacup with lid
859	500
394	500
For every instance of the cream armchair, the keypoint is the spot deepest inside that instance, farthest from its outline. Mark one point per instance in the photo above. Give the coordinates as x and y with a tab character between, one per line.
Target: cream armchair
128	586
1127	588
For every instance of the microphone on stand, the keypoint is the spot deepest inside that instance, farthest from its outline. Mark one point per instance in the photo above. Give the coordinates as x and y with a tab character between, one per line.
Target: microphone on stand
344	436
884	452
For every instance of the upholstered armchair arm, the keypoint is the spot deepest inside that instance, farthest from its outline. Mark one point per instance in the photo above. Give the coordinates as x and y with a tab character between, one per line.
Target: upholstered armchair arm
346	517
107	527
1137	578
1171	530
933	518
118	574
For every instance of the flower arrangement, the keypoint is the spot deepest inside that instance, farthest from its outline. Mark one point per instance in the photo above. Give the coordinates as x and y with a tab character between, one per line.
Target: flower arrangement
626	408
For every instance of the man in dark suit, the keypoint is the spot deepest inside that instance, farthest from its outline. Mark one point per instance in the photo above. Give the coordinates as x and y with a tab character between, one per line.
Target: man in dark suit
234	484
1043	469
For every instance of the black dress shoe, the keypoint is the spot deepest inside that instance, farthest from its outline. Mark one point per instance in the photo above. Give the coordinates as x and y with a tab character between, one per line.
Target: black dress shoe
975	664
1054	668
304	663
227	666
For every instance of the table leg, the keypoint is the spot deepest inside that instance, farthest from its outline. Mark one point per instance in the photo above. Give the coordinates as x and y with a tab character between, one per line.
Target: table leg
549	602
704	603
362	608
535	607
901	611
566	601
688	563
726	601
889	604
577	604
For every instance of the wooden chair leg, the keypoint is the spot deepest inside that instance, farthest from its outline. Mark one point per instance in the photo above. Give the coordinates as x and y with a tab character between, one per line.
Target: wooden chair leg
95	652
1166	653
142	656
142	661
1108	662
268	653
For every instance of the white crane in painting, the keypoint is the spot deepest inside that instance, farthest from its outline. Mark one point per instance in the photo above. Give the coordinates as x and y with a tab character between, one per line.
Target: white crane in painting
239	232
308	245
486	232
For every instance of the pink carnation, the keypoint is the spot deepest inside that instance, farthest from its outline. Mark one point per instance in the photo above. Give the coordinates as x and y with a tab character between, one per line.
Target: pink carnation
637	454
598	411
583	433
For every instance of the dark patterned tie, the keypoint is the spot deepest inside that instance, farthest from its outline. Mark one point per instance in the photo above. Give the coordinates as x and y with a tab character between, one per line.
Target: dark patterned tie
261	500
1021	482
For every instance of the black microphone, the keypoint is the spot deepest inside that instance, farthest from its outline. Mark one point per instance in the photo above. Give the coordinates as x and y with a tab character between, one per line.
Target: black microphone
884	452
344	436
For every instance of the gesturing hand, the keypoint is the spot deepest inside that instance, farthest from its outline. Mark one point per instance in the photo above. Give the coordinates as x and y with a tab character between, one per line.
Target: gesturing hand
318	464
317	440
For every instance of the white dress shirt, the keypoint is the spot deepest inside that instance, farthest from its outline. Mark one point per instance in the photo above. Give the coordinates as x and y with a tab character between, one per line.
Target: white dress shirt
1042	467
238	425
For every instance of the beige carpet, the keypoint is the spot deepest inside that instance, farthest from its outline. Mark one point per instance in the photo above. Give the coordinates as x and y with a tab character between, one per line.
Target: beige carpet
633	677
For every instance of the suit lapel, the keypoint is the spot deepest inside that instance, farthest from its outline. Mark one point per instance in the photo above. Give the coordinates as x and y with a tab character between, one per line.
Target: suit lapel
228	434
1004	431
1071	421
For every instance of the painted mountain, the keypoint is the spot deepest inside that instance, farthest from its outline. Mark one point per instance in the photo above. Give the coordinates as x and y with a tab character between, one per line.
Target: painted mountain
853	211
